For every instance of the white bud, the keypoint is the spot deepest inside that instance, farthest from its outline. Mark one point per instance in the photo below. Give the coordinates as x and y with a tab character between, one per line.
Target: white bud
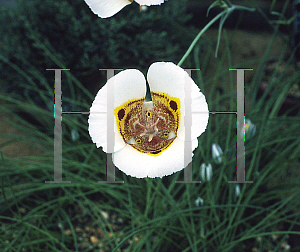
199	201
206	172
237	190
74	134
217	153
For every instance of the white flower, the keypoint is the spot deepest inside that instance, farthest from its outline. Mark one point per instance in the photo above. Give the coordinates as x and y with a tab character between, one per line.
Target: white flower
206	172
285	246
217	153
149	136
108	8
199	201
248	132
250	129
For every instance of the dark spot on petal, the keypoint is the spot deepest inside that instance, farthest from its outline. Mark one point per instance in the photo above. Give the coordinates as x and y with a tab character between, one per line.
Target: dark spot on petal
121	114
155	152
173	105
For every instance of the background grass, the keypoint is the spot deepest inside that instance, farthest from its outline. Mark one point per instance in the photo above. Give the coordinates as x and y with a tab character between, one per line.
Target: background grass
139	214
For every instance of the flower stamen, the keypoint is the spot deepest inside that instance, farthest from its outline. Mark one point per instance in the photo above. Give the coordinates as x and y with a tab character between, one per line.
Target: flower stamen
150	137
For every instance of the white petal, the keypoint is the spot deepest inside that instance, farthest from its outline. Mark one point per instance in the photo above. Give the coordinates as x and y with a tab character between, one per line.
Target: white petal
128	84
107	8
137	164
149	2
200	113
166	77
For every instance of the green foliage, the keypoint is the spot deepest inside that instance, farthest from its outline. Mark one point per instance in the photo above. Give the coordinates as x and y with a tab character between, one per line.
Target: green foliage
66	34
152	214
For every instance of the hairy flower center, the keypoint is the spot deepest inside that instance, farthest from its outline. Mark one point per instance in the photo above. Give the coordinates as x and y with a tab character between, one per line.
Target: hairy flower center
149	127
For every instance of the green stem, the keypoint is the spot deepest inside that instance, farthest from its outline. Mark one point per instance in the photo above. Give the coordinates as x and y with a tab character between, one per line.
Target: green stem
239	7
199	35
229	4
224	12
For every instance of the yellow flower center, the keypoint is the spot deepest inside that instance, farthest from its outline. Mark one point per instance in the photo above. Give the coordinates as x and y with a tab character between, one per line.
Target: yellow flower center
149	127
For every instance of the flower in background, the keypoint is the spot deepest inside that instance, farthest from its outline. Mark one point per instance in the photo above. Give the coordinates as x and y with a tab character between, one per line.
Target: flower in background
248	132
74	134
149	137
237	190
199	201
250	129
217	153
108	8
206	172
285	246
